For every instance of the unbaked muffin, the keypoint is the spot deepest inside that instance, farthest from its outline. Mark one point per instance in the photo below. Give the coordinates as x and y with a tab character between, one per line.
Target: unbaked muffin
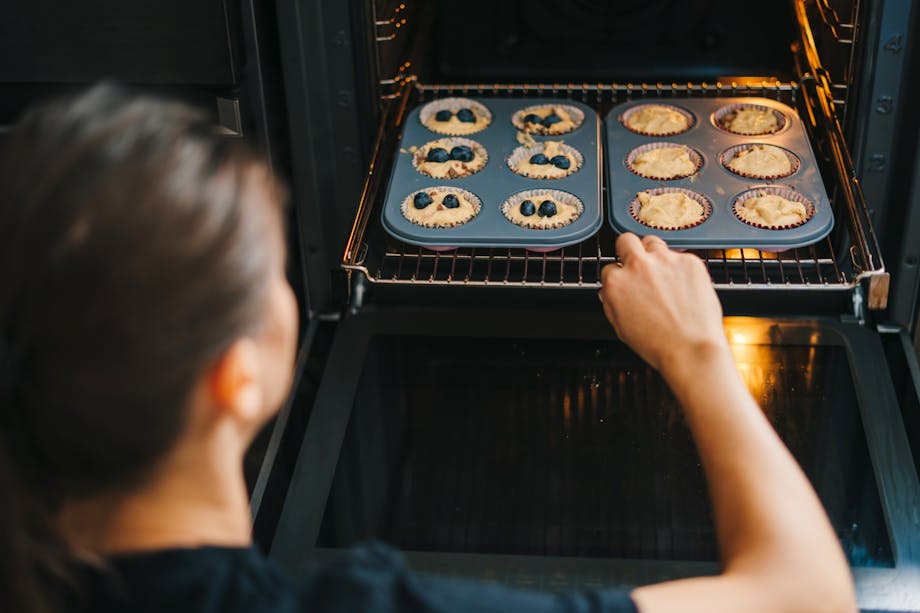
773	208
542	209
450	158
441	207
749	119
670	208
548	119
547	160
759	161
657	119
663	161
455	116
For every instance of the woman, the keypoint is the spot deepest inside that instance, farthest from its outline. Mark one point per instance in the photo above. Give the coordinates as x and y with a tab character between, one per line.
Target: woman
148	332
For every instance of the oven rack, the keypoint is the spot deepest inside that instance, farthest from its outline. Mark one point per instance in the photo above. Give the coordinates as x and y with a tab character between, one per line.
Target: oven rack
847	261
579	266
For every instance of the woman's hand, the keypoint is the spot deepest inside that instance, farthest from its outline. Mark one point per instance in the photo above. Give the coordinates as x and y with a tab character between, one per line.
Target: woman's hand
661	303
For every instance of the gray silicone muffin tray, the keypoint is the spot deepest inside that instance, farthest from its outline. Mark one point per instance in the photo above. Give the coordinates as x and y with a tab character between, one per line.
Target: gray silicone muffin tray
496	182
722	229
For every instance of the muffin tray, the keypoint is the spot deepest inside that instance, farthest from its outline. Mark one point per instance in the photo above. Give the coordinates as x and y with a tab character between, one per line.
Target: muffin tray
722	229
496	182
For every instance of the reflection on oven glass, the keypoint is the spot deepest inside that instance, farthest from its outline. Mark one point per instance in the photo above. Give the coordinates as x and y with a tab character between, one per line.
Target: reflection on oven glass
575	448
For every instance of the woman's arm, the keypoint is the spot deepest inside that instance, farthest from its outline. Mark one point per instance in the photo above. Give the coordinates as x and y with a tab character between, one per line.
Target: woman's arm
779	552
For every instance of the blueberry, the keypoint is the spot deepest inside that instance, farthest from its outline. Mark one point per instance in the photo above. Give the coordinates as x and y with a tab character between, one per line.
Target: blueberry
438	154
551	119
422	200
547	208
450	202
466	116
560	161
528	208
539	158
462	153
532	118
443	115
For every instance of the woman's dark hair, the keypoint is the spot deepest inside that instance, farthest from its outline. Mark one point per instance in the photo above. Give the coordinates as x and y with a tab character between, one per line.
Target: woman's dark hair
132	253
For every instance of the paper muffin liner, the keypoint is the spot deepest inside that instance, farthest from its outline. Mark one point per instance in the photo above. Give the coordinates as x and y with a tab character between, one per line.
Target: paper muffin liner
576	114
695	157
719	117
624	117
523	153
782	192
634	207
453	105
470	197
729	154
535	195
478	162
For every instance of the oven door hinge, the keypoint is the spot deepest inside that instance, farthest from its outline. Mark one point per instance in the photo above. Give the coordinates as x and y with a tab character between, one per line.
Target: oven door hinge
889	329
858	315
358	289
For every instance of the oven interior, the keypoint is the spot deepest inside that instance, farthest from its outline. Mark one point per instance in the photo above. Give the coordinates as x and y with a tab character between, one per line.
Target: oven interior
602	54
538	447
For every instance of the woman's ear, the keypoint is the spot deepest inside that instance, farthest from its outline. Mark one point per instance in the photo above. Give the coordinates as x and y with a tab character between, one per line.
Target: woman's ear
235	388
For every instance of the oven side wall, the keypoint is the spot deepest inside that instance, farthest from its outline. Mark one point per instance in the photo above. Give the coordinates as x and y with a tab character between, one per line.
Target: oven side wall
332	111
882	127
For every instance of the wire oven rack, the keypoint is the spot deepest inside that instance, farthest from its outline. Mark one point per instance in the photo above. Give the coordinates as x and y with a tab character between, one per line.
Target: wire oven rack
842	262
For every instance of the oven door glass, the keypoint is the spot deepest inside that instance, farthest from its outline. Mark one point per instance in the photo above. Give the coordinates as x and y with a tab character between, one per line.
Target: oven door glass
564	447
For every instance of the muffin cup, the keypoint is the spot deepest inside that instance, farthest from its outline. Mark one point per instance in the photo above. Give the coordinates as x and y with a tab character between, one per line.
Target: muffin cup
635	206
448	143
729	154
624	117
523	153
695	157
453	105
469	196
782	192
536	194
718	118
576	114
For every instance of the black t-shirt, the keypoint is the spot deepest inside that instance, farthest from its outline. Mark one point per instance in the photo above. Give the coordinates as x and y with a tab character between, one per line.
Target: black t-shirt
370	578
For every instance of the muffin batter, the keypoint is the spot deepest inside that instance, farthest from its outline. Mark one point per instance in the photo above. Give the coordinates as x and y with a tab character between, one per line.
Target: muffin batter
435	212
657	119
669	211
563	213
552	167
751	121
456	116
548	119
457	165
665	163
772	211
762	161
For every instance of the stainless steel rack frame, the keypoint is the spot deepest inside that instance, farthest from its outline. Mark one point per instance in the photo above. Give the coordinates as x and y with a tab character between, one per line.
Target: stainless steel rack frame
851	262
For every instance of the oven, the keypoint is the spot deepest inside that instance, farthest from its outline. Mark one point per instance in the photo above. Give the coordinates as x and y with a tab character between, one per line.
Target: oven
473	408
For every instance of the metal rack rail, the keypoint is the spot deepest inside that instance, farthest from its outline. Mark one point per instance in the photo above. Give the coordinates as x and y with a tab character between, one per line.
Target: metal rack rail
579	266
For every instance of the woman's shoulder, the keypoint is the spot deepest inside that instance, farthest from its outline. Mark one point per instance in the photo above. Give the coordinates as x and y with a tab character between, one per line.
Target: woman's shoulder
372	577
199	580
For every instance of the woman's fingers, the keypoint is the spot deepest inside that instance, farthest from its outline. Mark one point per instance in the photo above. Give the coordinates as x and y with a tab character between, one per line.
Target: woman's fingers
654	243
628	245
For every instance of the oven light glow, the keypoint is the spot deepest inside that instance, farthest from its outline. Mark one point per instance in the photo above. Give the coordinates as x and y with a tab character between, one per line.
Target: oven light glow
738	338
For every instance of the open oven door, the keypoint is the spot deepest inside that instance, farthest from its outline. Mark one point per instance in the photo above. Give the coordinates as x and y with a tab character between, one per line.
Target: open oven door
544	453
